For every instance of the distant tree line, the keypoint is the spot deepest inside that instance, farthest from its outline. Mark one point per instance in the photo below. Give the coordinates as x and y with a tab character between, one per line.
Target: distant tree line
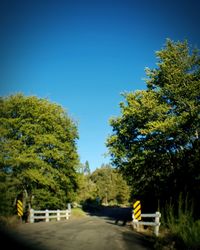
103	186
155	141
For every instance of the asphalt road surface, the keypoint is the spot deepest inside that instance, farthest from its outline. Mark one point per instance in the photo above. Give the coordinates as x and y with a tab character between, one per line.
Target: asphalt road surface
88	233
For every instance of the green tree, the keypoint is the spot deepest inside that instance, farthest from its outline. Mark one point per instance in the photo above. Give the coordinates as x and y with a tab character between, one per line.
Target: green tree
38	155
155	141
86	168
110	185
86	189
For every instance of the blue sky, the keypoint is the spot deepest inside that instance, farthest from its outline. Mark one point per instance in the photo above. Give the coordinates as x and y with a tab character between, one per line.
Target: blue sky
83	54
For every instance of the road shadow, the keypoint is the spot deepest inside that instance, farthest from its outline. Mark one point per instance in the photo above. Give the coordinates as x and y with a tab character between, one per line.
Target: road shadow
118	215
136	239
122	216
10	239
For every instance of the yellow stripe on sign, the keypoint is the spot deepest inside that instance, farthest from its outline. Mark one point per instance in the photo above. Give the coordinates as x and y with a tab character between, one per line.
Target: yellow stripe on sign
137	208
19	203
19	208
19	213
136	203
139	218
138	215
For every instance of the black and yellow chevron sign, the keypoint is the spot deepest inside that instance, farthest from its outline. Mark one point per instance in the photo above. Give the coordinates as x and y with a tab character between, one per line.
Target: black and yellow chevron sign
19	208
137	210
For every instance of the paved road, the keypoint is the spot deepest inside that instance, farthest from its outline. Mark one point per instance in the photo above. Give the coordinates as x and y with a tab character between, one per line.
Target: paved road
88	233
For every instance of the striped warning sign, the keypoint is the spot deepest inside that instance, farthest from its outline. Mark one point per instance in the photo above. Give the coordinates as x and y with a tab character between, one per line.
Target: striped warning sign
19	208
137	210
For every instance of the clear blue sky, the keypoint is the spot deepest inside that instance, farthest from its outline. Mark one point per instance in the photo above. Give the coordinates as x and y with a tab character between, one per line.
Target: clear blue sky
83	54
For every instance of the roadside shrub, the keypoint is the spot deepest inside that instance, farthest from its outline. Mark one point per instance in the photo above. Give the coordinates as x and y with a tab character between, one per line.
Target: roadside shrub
9	221
181	225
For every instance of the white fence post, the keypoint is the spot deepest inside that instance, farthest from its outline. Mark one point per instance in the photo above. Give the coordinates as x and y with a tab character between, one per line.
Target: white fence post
67	214
134	221
157	222
47	215
31	215
58	215
69	208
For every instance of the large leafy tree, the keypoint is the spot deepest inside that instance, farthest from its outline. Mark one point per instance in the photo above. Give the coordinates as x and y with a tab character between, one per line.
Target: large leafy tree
38	154
155	140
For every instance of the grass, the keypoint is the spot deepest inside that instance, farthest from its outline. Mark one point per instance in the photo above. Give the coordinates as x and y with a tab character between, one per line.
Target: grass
9	221
78	213
180	230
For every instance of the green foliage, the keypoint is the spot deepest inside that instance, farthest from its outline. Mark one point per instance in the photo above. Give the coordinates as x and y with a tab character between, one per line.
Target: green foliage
86	189
87	168
155	140
38	152
84	168
182	226
7	194
105	185
110	186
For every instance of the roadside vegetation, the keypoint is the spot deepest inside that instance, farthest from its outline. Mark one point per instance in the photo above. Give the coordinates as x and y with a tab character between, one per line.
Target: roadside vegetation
179	229
9	221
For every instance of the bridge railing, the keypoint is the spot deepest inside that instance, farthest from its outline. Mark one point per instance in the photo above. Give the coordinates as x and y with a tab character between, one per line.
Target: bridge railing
155	224
49	214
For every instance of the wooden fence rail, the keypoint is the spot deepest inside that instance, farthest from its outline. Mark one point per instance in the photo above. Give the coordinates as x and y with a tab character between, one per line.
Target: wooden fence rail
155	224
49	214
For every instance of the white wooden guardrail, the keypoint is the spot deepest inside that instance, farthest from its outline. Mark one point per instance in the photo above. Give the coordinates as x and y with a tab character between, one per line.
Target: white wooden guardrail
49	214
155	224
